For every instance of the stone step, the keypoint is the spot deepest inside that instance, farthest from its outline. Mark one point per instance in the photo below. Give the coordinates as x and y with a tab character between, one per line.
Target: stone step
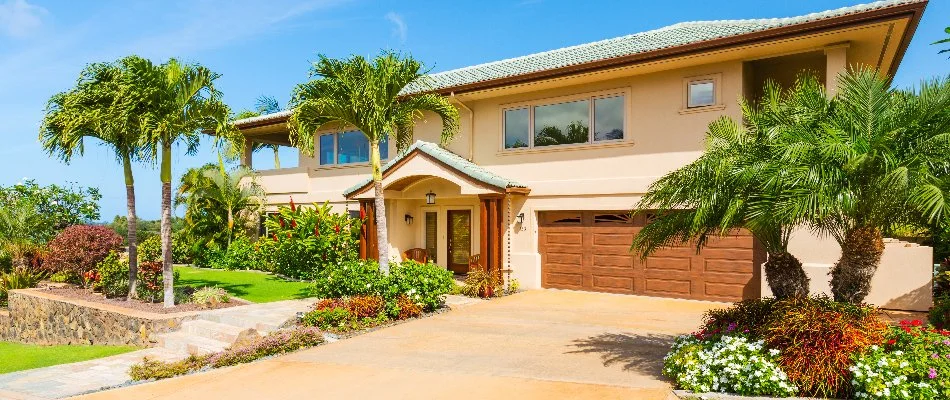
215	330
191	343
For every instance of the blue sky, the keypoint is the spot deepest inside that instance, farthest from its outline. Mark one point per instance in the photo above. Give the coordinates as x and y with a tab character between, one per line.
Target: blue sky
264	48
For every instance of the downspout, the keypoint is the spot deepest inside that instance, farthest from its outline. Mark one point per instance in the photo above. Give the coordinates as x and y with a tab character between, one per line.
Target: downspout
471	127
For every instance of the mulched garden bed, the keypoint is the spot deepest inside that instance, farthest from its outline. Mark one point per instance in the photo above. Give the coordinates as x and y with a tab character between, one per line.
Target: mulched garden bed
85	295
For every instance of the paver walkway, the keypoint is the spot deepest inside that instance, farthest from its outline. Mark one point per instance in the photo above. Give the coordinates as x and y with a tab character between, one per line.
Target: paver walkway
539	344
212	331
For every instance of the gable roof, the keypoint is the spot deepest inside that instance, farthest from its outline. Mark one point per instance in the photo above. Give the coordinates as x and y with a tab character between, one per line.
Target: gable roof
450	159
605	53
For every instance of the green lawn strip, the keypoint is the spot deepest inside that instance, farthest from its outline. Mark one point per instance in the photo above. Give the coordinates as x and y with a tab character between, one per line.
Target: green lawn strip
252	286
18	357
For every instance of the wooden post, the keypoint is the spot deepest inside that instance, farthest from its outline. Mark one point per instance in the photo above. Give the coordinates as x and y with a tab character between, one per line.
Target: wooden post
483	232
368	242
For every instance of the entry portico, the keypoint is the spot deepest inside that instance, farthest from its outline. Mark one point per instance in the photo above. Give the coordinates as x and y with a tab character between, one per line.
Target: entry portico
440	202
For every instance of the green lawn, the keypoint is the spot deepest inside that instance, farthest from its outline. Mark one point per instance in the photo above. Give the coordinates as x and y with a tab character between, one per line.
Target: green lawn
18	357
252	286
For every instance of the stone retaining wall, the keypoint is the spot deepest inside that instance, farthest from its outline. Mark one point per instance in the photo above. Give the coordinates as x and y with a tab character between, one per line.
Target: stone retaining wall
39	317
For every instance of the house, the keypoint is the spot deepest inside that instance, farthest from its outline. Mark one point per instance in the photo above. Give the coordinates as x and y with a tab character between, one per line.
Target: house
556	147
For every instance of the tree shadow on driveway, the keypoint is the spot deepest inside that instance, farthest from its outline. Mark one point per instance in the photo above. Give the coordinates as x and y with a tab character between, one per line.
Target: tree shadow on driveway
642	353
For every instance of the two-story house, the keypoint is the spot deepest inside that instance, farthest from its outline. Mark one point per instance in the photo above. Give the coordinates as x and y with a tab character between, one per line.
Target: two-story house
556	148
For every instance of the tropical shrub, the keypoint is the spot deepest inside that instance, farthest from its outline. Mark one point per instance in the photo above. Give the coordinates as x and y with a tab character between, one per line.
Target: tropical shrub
424	284
914	364
150	249
407	308
733	364
279	342
750	316
240	254
151	285
348	278
210	296
181	250
335	318
6	262
940	312
79	248
481	282
19	278
57	207
300	240
113	275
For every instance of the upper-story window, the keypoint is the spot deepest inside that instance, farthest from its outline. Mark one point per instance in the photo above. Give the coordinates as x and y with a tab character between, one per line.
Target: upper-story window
701	93
585	120
348	148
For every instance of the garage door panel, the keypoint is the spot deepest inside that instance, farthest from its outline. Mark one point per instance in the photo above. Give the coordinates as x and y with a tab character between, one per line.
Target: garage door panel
728	266
668	263
668	286
612	283
592	252
612	261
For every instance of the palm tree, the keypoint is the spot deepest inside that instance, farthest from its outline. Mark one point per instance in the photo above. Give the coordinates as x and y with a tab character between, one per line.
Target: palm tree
879	158
551	135
369	97
265	105
944	40
177	103
734	184
93	110
213	188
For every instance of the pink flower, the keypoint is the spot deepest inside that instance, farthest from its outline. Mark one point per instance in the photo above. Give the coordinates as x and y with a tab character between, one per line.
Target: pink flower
932	374
947	342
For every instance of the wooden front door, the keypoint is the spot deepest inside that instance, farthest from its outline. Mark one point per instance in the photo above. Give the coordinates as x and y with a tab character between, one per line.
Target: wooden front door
459	240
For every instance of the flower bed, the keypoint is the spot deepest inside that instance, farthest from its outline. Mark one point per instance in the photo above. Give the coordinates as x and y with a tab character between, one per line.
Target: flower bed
811	347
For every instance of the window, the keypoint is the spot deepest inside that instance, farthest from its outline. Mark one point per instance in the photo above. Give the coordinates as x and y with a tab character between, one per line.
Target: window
570	122
348	148
701	93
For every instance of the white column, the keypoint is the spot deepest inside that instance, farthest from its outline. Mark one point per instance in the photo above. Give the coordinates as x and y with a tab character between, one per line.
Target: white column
246	156
836	62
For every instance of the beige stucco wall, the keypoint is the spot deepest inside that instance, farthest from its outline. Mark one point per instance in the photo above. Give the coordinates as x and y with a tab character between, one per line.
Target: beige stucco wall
903	281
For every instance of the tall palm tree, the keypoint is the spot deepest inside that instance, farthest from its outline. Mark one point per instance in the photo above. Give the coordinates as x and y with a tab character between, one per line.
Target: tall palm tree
177	103
93	110
735	184
234	193
880	157
369	97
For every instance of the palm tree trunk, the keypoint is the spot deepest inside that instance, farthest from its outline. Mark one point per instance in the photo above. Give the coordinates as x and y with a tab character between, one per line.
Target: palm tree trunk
276	157
785	276
860	256
167	272
132	236
383	239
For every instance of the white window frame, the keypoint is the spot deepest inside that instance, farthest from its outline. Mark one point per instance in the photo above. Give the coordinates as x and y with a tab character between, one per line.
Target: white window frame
717	104
590	97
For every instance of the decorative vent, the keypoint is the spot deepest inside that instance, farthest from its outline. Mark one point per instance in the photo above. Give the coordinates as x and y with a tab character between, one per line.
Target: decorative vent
624	218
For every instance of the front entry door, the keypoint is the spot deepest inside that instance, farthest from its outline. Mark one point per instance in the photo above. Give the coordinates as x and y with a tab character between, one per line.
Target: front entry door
459	240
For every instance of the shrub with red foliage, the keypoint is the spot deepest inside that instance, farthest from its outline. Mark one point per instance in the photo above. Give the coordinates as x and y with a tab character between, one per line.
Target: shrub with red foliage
407	307
818	338
79	248
366	306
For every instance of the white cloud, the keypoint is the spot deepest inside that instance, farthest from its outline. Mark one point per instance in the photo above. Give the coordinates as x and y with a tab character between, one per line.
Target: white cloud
400	29
19	18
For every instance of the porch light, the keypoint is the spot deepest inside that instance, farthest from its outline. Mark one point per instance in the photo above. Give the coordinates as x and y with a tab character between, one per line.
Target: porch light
430	198
520	218
408	219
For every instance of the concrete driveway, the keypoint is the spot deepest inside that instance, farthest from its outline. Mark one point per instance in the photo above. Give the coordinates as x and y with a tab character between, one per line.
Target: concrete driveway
536	344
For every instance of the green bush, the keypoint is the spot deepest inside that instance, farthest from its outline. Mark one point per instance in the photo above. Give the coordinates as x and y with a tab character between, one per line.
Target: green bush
347	314
6	262
300	240
210	296
424	284
240	255
348	278
729	364
114	276
181	250
328	318
18	278
940	312
150	249
914	364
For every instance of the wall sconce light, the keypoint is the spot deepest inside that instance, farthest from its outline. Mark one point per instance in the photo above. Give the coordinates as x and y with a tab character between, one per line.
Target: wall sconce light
430	198
408	219
520	218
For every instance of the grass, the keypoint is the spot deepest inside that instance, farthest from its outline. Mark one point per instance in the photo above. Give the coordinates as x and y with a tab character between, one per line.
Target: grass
252	286
18	357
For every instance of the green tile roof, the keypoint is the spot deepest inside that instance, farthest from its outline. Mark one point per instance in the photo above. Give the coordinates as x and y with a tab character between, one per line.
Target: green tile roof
671	36
681	34
451	159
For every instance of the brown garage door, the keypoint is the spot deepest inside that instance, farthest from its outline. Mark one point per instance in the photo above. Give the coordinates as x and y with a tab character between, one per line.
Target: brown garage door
590	250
